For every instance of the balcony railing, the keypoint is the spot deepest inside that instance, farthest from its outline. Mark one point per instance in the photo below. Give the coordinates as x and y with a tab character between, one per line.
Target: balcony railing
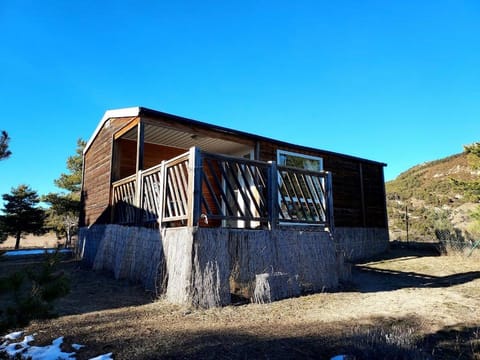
206	189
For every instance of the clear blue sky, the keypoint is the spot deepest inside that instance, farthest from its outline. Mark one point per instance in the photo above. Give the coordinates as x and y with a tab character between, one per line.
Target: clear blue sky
393	81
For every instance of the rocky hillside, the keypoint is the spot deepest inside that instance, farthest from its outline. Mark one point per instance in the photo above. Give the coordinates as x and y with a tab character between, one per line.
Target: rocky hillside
436	199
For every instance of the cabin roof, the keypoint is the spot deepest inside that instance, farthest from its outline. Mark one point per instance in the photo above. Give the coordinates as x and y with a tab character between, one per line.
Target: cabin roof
142	111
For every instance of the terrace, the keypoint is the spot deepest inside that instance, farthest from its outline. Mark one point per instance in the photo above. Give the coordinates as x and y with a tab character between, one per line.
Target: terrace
200	188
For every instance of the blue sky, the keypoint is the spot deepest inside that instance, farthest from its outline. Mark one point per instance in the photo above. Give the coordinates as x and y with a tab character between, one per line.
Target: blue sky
393	81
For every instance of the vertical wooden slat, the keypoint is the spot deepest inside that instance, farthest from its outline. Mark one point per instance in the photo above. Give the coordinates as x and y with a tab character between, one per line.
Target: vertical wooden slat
194	185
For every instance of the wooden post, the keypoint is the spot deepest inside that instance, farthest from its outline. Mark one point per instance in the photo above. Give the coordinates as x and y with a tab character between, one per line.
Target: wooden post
384	194
139	168
140	145
194	185
138	197
362	196
161	193
329	202
272	194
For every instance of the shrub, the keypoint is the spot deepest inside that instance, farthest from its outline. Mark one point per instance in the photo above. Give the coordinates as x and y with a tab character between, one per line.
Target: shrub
31	292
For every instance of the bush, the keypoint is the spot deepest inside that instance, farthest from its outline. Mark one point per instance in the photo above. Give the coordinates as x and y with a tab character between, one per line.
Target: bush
31	293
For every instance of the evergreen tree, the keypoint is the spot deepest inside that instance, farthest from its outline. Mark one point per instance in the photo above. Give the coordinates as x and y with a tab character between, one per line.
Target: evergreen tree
21	214
72	181
4	152
30	292
65	207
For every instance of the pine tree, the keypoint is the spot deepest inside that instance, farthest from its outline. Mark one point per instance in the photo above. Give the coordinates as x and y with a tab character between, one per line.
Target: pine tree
73	180
21	213
30	293
65	207
4	152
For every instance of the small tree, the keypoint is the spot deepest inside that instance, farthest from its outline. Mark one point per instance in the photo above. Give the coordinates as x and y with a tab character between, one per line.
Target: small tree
65	208
4	152
22	216
62	216
30	293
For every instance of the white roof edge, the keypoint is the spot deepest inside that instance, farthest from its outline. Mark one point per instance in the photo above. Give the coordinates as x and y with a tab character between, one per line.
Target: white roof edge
124	112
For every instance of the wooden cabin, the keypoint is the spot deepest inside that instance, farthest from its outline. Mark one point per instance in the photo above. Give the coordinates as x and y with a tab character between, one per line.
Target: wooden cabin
206	195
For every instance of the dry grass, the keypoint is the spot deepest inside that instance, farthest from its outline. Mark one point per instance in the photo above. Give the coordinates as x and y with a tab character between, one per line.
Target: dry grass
48	240
409	305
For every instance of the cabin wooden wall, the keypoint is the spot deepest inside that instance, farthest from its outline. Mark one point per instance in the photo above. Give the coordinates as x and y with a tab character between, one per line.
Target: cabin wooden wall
96	174
152	155
358	186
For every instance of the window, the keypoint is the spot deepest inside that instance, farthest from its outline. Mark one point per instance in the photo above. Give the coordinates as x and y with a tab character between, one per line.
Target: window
301	195
302	161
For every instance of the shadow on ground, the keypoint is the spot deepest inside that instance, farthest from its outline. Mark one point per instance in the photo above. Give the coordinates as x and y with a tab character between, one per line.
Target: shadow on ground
368	278
89	290
95	291
381	339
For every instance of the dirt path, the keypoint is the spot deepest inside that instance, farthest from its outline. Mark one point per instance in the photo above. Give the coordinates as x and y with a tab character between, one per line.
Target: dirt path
409	305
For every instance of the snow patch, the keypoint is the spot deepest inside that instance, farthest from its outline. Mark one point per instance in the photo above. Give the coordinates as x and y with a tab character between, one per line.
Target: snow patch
23	350
13	335
103	357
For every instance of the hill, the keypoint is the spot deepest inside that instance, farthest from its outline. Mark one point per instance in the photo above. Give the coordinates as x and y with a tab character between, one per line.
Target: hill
434	200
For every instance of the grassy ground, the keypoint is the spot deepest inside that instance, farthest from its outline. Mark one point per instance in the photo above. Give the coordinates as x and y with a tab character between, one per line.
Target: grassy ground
407	305
48	240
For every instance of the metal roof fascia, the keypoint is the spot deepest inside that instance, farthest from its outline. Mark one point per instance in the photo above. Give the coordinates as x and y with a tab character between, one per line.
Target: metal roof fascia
124	112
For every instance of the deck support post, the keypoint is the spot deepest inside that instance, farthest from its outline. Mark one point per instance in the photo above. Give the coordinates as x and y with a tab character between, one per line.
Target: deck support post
161	194
138	197
139	168
272	194
329	199
362	195
194	185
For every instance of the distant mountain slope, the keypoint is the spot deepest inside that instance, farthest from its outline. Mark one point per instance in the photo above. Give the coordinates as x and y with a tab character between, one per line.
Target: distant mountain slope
433	198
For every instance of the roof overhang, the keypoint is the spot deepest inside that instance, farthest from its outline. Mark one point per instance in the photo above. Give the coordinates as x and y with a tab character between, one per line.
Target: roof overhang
185	139
154	114
115	113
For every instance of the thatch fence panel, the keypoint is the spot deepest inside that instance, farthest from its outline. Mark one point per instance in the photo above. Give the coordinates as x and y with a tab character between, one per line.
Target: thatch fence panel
307	257
177	249
361	243
203	266
131	253
211	268
310	255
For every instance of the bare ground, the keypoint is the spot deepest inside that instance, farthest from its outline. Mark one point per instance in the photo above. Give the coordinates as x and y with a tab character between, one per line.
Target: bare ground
406	305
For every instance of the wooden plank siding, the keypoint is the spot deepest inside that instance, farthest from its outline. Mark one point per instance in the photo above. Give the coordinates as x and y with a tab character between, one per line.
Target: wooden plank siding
97	174
153	155
350	210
